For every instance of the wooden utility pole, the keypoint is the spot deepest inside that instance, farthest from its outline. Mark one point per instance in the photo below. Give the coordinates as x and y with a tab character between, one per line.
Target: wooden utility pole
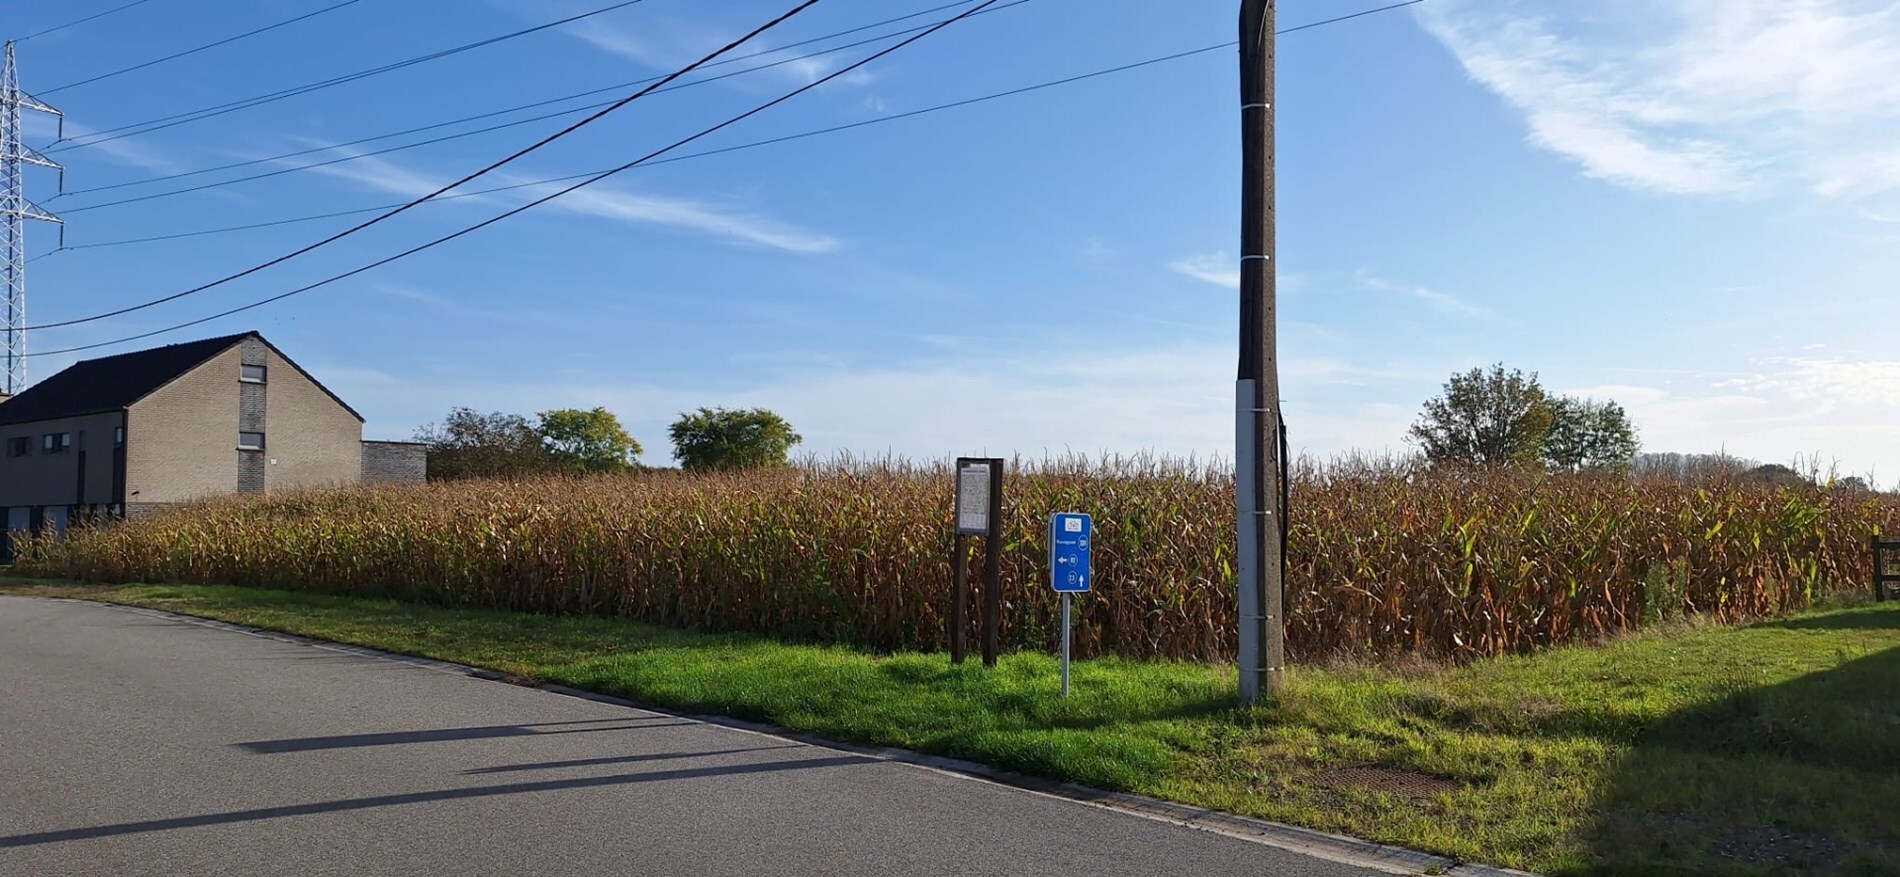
1257	446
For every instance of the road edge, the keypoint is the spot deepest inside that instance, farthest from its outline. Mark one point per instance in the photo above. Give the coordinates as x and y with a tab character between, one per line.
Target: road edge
1331	847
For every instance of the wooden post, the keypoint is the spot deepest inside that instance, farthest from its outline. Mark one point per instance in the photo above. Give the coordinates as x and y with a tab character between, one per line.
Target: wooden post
979	512
960	599
993	570
1882	579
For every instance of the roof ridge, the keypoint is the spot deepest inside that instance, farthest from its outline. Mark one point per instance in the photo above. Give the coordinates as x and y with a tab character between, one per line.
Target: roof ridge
111	383
228	338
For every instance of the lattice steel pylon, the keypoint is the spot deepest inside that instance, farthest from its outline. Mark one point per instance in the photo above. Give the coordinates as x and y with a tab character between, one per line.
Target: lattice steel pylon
15	210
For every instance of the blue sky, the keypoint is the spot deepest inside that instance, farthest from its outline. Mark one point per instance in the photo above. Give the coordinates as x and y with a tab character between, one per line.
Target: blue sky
1691	207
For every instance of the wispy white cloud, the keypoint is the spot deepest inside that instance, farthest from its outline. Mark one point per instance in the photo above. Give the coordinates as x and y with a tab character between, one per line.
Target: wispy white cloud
1697	96
603	200
1835	410
415	294
124	151
136	155
1170	399
377	174
620	41
1178	399
609	202
668	43
1438	301
1216	268
1846	382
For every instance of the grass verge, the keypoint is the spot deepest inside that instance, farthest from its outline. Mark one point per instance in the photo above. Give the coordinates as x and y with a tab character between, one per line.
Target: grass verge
1767	749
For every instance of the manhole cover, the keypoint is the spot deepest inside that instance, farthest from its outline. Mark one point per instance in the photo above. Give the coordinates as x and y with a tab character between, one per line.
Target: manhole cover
1396	782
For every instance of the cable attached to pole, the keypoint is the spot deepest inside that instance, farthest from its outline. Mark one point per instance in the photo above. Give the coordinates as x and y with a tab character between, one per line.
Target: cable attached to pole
807	4
349	157
843	71
212	45
150	125
80	21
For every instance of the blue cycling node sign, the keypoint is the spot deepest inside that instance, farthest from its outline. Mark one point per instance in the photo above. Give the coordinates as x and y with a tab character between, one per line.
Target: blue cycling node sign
1069	566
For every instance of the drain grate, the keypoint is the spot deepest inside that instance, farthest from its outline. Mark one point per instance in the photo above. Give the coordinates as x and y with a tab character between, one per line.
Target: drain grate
1397	782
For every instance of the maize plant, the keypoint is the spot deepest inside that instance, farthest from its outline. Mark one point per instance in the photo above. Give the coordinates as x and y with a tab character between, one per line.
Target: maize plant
1382	559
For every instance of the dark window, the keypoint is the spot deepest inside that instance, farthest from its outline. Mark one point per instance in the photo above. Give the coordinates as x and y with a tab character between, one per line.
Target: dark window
250	441
19	446
252	373
118	436
57	442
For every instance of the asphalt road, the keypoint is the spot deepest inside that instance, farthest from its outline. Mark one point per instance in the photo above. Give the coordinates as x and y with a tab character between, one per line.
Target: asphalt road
135	745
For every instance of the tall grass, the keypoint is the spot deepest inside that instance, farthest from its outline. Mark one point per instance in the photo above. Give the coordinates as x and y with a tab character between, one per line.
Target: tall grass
1383	558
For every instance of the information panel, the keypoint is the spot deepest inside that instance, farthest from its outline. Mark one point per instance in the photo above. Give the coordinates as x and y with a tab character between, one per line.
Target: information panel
973	498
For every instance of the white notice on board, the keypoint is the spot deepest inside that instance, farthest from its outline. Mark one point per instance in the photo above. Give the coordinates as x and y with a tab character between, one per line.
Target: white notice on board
973	499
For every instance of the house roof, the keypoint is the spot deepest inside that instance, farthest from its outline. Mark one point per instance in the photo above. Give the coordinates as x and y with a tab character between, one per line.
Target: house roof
111	383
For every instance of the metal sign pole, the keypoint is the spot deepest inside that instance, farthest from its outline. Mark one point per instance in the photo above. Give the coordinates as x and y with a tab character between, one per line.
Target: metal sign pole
1065	644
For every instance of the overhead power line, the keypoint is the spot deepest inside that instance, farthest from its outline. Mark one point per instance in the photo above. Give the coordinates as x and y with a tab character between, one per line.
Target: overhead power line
689	156
550	101
706	132
80	21
1337	19
211	45
471	133
736	148
807	4
203	113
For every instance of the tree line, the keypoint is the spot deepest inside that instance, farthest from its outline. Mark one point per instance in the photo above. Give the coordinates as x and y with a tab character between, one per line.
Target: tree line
470	444
1496	417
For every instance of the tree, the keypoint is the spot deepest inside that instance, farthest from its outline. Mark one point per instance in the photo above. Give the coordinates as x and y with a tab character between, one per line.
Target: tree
588	441
470	444
1493	418
1777	475
1586	434
717	438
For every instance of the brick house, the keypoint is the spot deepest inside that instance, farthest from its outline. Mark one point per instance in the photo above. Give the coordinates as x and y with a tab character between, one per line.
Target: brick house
122	434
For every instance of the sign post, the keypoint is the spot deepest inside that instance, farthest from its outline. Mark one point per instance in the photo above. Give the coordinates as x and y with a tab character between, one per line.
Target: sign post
1069	569
979	513
1886	567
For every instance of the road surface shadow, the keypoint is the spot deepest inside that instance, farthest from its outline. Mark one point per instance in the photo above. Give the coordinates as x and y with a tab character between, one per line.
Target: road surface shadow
617	759
397	800
437	735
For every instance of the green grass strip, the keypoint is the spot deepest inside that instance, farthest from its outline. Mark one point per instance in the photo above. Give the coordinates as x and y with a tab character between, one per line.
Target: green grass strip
1761	750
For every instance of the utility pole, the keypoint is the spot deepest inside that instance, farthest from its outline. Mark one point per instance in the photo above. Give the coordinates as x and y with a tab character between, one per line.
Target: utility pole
15	209
1257	446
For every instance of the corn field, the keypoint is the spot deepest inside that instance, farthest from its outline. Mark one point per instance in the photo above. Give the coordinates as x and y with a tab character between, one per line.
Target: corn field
1383	559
